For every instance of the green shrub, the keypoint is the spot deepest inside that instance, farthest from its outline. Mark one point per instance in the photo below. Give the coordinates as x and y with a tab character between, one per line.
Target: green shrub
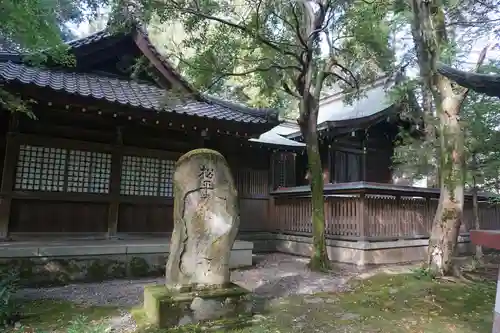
82	325
8	285
423	273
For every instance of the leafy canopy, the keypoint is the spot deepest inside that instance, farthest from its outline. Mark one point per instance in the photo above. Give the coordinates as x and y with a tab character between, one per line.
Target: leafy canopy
259	51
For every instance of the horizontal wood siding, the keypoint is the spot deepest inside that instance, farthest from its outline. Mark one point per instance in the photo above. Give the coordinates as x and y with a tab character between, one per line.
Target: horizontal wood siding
145	218
46	216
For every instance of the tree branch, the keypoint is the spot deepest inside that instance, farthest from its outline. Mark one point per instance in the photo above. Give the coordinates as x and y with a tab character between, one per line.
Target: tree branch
253	34
297	27
471	23
480	61
289	91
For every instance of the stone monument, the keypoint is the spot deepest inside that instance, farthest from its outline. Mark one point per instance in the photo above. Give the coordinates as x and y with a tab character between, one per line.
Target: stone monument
206	221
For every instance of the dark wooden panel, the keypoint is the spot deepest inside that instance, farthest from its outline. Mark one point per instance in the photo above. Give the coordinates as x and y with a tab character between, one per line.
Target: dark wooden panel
57	216
145	218
254	214
378	166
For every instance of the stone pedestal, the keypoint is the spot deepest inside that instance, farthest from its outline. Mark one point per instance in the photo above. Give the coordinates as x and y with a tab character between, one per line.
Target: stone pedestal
166	307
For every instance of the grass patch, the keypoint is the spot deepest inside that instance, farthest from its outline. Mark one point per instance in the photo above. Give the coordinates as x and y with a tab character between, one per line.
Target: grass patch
57	315
383	303
405	303
389	303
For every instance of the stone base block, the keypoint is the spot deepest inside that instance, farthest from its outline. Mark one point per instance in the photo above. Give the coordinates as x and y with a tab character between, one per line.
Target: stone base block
167	308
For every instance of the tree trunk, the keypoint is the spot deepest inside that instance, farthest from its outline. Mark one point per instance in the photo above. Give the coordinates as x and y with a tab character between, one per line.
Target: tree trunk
475	206
307	121
448	218
319	257
429	35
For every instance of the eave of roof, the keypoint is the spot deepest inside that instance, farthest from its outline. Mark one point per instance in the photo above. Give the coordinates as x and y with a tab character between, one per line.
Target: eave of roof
373	105
141	38
124	92
481	83
274	139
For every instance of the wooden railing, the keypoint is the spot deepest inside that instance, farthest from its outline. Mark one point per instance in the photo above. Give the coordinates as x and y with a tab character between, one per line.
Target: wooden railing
372	211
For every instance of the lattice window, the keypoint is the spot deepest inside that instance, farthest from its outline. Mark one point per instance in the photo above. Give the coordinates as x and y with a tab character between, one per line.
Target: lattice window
40	168
146	176
89	172
284	170
166	178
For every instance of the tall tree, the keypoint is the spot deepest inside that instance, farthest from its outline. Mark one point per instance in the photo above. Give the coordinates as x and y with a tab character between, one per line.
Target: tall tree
295	47
434	42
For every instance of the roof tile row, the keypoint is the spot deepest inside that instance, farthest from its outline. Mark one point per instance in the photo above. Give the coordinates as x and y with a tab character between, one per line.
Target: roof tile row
127	92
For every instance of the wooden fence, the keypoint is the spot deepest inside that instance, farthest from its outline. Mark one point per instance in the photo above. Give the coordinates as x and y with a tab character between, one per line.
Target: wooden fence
372	211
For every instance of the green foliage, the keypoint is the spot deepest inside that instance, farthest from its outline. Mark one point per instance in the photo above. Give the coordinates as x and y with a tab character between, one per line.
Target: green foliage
480	117
250	51
8	285
423	273
36	29
79	325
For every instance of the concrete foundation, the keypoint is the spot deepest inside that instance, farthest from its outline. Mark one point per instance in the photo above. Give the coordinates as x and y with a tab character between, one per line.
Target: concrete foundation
363	252
61	262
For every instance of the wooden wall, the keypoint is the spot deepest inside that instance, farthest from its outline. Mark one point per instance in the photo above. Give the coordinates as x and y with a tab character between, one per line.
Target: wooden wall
375	217
68	186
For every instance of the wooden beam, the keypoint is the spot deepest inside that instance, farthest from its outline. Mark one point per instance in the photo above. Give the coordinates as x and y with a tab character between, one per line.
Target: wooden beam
170	77
9	167
114	188
137	115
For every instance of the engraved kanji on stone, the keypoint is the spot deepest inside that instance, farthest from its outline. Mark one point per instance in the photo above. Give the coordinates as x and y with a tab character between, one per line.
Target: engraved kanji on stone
206	172
206	176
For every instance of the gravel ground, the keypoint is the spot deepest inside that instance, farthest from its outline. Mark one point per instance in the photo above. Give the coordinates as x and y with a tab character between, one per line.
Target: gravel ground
273	276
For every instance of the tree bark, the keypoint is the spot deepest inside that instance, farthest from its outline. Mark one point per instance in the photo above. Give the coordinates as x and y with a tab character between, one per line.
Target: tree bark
319	257
309	114
429	35
475	206
449	214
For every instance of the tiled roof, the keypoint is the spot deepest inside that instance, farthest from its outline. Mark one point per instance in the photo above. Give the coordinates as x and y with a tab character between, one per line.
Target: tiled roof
127	92
95	37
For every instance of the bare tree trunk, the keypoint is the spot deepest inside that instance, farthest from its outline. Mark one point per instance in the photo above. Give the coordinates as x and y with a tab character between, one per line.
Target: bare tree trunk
475	206
430	37
307	121
319	257
449	214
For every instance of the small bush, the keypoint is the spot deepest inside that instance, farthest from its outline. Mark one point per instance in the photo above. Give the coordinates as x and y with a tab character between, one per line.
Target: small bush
82	325
423	273
8	309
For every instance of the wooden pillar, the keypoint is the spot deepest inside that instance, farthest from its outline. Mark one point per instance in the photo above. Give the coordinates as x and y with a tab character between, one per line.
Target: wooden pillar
271	208
364	157
114	186
9	167
364	227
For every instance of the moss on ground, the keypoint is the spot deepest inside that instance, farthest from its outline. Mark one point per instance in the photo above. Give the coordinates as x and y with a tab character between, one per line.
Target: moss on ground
382	303
57	315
